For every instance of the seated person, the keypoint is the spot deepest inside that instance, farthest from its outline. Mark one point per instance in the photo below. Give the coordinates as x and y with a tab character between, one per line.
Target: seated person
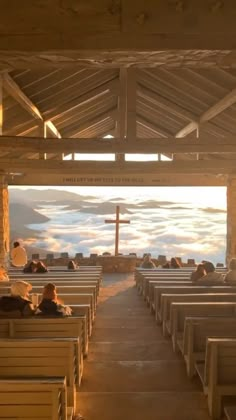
30	267
35	267
72	265
50	305
211	278
147	262
174	263
230	276
18	303
198	273
3	274
41	267
18	255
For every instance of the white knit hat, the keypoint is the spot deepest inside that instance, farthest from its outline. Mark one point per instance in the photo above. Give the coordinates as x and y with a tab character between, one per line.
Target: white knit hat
20	288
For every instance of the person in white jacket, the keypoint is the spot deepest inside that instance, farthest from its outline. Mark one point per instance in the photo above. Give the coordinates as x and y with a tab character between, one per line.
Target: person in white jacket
18	255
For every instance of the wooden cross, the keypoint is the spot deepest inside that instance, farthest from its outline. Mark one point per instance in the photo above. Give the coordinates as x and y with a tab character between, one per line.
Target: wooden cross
117	221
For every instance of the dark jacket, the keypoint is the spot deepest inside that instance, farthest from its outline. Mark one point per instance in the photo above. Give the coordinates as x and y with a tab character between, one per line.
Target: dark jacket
15	306
48	307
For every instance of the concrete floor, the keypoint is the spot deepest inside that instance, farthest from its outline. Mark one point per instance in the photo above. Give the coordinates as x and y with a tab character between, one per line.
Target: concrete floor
131	372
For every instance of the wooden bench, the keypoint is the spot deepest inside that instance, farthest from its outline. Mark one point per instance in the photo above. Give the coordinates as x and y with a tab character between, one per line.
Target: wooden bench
38	327
167	300
42	358
219	373
180	311
196	332
149	283
79	299
174	290
34	399
150	297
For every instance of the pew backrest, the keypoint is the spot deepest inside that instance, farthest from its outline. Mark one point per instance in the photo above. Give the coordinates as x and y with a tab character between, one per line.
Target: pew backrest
34	398
41	358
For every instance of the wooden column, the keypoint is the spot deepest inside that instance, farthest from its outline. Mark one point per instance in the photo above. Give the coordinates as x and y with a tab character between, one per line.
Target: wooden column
231	219
43	134
4	222
1	106
131	104
126	121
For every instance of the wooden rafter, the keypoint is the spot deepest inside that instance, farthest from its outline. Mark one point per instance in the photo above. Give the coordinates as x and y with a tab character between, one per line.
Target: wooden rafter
14	90
227	101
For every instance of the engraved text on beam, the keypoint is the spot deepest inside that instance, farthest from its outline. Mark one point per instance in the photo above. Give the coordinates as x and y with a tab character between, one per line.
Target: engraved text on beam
117	221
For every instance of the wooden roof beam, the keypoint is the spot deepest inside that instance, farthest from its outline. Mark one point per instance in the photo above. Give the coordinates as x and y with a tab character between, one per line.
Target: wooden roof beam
15	91
227	101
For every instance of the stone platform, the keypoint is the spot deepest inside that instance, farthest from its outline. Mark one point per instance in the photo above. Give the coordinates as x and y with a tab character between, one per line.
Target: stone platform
131	372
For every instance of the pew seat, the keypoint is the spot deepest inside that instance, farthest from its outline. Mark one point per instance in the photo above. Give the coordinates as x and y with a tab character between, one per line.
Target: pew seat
196	332
167	300
219	378
185	290
181	310
42	358
38	327
34	399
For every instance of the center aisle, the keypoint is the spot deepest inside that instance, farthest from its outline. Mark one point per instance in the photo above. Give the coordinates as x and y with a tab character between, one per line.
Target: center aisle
131	372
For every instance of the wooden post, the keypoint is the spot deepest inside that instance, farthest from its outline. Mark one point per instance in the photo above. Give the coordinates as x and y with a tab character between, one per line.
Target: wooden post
4	222
1	106
43	134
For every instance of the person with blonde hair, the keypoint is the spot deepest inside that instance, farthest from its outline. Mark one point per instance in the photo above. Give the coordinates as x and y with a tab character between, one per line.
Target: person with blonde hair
50	304
3	274
18	255
230	276
18	303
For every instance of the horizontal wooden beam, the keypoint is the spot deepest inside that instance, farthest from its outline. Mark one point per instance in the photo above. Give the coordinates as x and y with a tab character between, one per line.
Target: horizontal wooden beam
216	166
203	144
100	32
124	179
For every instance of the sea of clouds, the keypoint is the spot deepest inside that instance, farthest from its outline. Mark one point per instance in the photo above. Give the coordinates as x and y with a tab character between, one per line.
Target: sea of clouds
187	230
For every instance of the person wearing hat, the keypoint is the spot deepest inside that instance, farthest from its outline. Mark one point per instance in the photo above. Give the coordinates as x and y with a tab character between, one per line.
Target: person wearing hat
18	303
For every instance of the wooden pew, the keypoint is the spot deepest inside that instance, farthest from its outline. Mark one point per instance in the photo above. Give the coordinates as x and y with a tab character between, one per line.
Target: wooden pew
153	283
42	358
167	300
34	399
173	290
165	273
180	311
160	277
61	290
80	299
218	375
149	282
196	332
38	327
